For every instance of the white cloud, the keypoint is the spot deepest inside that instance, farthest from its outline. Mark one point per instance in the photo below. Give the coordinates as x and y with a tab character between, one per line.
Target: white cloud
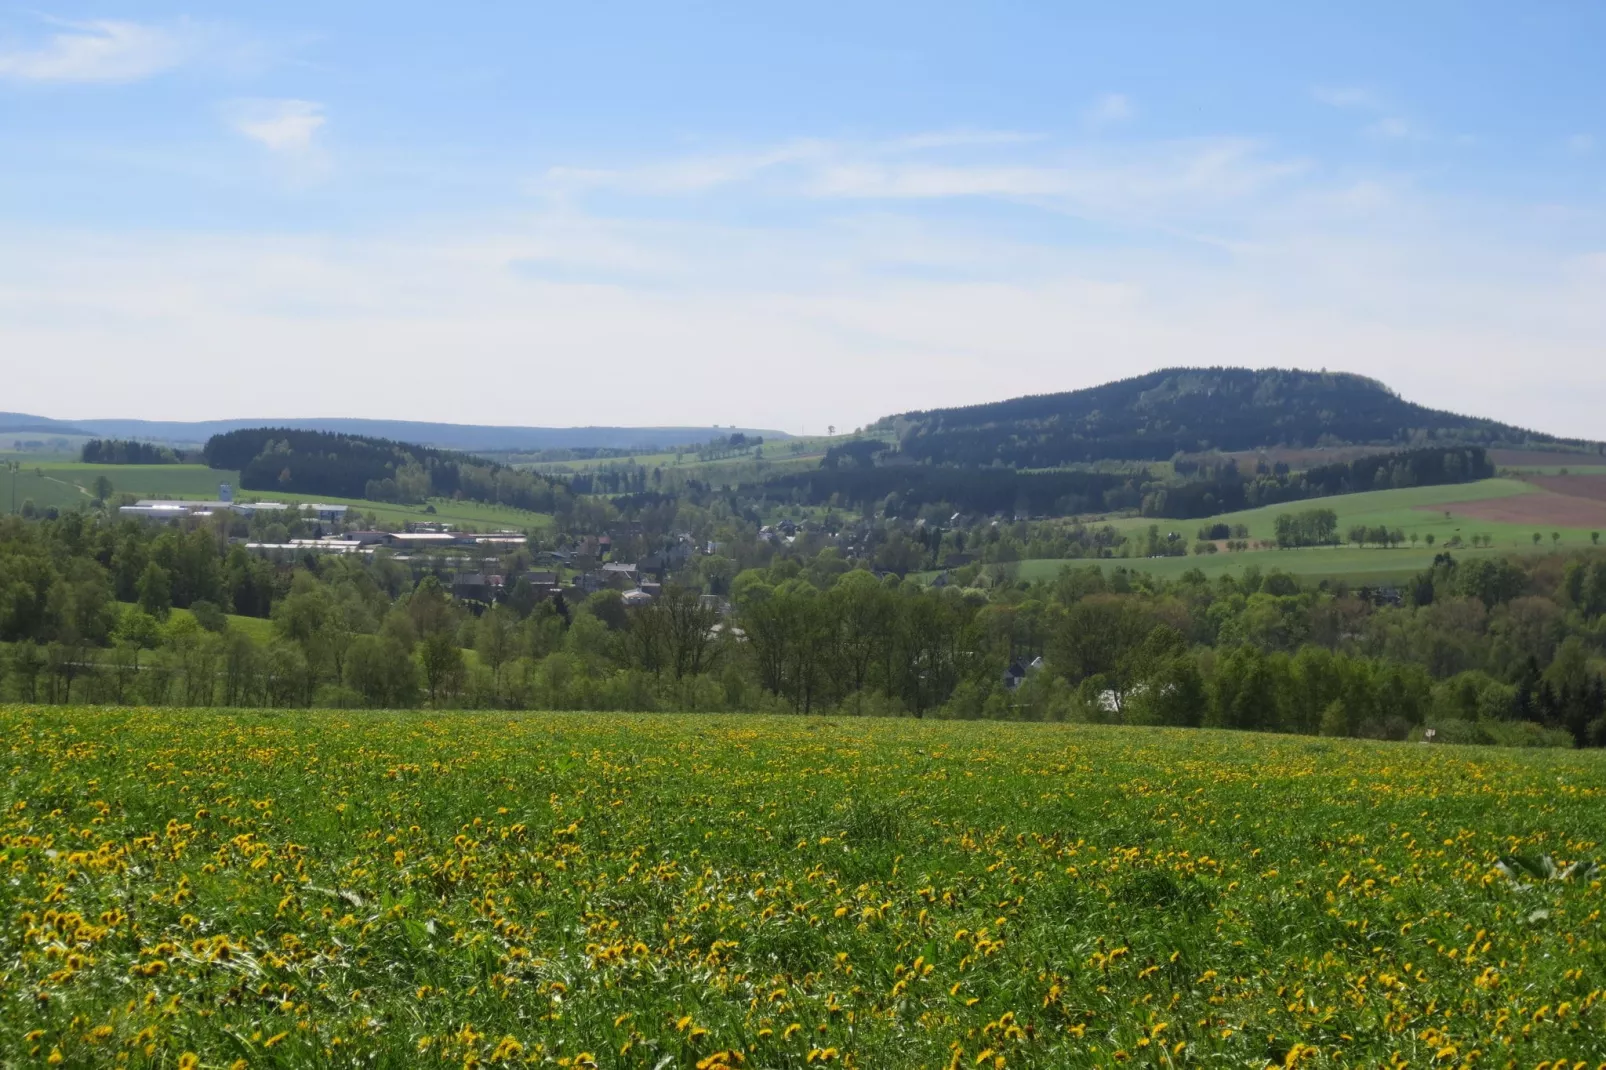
1109	109
1348	97
285	126
739	268
1392	128
1155	183
99	51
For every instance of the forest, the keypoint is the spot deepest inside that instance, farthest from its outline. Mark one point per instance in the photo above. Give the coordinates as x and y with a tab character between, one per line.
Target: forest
1478	650
1186	410
128	451
340	465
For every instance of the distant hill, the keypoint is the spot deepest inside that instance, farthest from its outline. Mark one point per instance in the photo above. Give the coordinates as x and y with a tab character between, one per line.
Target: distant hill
356	466
20	423
1187	410
479	438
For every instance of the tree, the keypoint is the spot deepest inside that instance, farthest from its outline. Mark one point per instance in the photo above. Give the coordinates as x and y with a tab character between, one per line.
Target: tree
1555	538
442	661
1594	537
1429	538
1537	537
103	488
156	591
496	640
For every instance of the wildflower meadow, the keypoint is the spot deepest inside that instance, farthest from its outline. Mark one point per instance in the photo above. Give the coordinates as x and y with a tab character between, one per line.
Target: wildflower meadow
284	888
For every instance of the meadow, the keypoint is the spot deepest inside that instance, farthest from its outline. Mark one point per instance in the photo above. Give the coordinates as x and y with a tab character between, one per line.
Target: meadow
68	485
1354	565
1422	510
200	889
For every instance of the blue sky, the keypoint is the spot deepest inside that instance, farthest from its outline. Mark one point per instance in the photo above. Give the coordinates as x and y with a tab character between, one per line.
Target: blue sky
573	214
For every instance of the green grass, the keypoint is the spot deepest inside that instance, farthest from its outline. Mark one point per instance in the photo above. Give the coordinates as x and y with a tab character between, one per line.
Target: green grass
1415	509
1390	508
302	888
68	485
1356	565
477	515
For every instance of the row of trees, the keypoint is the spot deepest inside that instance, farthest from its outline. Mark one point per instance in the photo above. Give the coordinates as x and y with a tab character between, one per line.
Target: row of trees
128	451
1482	649
356	466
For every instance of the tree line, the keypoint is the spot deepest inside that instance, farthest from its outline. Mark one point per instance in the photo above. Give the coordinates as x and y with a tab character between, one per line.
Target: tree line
1187	410
1478	650
129	451
340	465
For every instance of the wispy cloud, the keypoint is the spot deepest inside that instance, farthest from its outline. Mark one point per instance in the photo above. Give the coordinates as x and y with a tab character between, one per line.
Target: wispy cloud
1348	96
98	51
1175	185
1109	109
284	126
1581	144
1392	128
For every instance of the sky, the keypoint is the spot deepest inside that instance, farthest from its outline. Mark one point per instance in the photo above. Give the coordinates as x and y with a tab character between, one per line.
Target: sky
792	216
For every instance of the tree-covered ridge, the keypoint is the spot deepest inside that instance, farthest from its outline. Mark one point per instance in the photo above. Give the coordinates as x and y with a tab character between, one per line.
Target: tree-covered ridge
1185	410
849	476
1230	490
354	466
128	451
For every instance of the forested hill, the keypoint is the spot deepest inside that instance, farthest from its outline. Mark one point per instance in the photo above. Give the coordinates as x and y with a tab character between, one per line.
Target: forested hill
356	466
1155	416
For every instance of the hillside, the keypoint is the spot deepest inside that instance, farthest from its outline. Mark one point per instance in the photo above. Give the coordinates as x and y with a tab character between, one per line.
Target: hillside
359	467
479	438
1186	410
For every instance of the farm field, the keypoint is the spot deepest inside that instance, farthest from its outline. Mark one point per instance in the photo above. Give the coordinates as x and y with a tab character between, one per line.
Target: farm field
477	515
200	889
1457	509
67	485
1354	564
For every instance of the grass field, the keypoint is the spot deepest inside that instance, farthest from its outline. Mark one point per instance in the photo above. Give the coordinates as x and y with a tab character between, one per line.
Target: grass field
67	485
1356	565
477	515
292	889
1414	509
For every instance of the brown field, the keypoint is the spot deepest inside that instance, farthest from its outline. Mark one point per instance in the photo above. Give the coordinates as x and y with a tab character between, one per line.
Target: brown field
1550	509
1592	487
1541	458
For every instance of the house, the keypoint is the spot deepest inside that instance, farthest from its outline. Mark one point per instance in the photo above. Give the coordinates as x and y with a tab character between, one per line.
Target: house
636	598
471	586
716	603
1017	672
618	574
540	578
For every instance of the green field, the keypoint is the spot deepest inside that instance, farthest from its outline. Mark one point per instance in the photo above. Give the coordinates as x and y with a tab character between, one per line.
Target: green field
1355	565
201	889
67	485
477	515
1414	509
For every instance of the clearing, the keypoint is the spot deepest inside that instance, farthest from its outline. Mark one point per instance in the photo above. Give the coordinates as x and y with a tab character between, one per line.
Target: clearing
321	888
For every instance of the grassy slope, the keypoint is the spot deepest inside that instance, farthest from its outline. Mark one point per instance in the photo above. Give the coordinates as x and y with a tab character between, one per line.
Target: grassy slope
1366	565
68	485
1390	508
425	883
